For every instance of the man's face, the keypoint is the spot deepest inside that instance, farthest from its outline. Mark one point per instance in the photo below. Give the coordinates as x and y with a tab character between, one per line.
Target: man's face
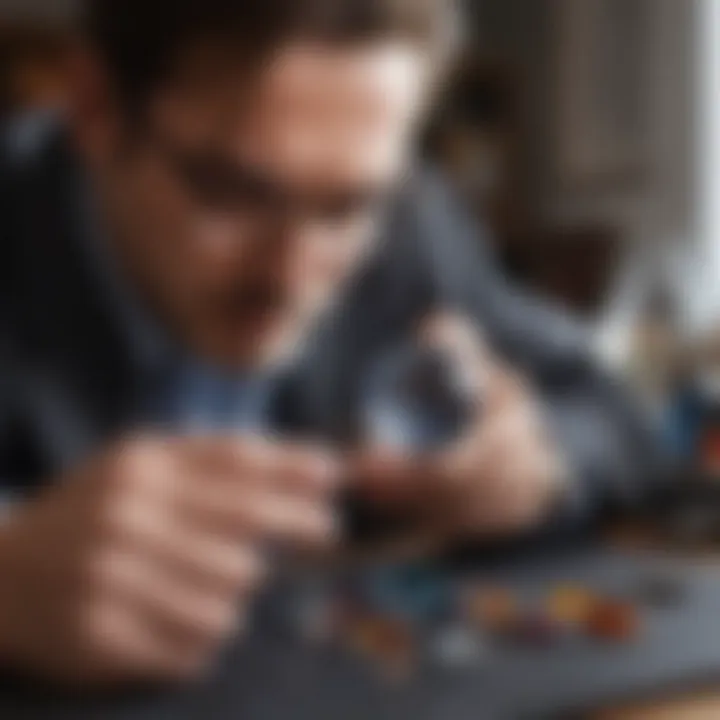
241	208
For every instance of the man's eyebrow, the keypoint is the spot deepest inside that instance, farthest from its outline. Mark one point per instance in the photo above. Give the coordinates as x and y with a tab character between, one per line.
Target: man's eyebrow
215	169
244	173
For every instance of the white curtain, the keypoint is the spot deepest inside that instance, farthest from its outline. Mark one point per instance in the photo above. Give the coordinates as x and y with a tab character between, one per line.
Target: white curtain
706	304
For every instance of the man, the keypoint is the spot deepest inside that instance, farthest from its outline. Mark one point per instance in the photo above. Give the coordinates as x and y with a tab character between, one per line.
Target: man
220	246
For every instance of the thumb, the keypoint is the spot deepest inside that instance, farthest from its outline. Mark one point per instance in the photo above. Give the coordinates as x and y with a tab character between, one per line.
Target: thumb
389	478
463	343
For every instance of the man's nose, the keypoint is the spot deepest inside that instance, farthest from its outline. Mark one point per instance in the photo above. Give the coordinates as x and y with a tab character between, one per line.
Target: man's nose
277	249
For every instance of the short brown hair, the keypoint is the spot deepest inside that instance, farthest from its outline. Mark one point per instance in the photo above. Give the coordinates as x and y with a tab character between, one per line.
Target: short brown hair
141	40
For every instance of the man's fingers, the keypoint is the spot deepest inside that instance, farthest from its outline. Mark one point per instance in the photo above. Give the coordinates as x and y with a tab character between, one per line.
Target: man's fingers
384	477
155	626
258	514
275	517
207	561
127	647
296	469
464	345
482	453
495	436
395	479
484	375
388	477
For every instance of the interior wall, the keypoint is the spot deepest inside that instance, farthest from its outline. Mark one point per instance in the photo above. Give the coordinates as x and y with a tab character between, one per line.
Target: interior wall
517	32
660	223
38	8
656	217
704	270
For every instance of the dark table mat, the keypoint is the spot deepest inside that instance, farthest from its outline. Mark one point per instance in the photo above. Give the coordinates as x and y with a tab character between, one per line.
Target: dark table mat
266	678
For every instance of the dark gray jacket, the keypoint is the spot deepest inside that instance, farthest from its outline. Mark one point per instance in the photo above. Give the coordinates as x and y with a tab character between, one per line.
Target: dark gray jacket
66	363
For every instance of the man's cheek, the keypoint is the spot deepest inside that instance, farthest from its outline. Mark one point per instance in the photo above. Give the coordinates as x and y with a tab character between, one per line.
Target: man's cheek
319	284
217	242
315	298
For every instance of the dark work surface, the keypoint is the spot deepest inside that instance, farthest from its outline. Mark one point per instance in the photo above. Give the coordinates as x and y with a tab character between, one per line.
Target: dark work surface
268	678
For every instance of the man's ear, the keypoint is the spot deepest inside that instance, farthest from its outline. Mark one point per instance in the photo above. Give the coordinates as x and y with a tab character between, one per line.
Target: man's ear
93	109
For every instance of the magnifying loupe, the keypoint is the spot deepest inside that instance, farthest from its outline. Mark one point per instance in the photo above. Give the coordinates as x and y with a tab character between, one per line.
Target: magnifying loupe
417	400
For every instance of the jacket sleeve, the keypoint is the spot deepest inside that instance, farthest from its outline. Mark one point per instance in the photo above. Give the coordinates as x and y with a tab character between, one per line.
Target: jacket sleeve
611	445
9	479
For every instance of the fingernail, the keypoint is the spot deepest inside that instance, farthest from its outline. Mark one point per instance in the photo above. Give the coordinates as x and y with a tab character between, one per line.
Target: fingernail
327	527
329	471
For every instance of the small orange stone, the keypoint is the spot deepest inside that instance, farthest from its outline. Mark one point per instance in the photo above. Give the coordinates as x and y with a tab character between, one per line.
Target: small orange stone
381	638
571	604
494	609
613	622
393	638
361	633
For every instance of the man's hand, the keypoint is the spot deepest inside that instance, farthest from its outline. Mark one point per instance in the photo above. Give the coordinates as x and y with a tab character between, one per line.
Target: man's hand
140	565
503	476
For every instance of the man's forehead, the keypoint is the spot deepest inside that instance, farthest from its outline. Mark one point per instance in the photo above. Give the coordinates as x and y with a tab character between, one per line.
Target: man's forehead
375	77
332	108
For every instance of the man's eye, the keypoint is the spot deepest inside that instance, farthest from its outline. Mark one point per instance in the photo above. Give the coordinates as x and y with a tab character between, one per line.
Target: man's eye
211	185
224	188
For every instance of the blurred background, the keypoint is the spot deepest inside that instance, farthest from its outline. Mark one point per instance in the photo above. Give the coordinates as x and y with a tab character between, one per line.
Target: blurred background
586	135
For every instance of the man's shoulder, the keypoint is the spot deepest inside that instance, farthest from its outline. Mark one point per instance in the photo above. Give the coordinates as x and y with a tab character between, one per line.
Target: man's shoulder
39	220
448	239
37	165
463	272
36	172
25	135
30	145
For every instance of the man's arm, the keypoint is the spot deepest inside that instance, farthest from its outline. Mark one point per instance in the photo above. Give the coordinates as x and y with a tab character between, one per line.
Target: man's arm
611	448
